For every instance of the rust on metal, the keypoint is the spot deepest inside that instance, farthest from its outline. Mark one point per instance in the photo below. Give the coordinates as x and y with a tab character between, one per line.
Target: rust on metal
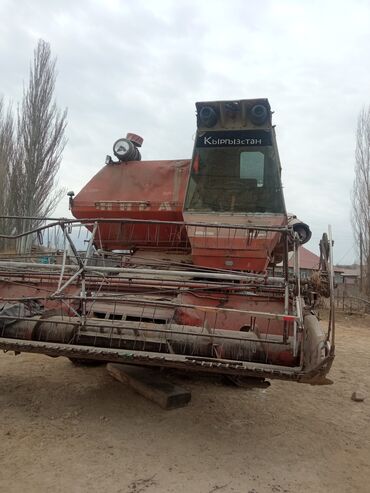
180	263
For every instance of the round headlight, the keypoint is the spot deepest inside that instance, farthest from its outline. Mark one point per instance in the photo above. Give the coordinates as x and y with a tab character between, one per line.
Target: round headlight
122	148
207	117
125	150
258	114
303	231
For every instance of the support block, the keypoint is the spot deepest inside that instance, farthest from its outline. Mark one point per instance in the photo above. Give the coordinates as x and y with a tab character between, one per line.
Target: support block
150	384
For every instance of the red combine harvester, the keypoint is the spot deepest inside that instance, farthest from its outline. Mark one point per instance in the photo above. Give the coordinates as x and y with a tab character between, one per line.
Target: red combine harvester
185	263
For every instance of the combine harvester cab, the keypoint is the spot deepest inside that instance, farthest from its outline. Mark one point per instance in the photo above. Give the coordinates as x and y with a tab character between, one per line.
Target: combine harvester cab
185	263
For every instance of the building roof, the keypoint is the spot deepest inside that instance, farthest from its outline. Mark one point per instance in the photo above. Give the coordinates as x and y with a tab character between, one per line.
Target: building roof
347	272
307	259
311	261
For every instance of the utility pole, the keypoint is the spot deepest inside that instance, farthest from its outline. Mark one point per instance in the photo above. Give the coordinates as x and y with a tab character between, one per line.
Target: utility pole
361	268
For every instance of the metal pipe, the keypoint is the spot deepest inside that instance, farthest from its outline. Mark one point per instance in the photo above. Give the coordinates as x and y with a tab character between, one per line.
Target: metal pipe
63	221
286	281
158	303
170	284
155	272
331	283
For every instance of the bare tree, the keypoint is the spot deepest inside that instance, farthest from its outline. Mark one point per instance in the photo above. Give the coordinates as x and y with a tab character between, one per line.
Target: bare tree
31	148
4	161
40	141
7	154
361	191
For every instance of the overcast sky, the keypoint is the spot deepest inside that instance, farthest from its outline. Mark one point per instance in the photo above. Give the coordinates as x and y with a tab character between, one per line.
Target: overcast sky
140	66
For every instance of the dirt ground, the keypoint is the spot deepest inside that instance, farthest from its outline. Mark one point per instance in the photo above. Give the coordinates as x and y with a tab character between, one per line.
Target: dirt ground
68	429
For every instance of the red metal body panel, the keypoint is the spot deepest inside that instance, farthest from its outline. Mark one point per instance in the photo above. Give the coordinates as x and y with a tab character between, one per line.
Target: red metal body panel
226	320
155	190
230	248
146	190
